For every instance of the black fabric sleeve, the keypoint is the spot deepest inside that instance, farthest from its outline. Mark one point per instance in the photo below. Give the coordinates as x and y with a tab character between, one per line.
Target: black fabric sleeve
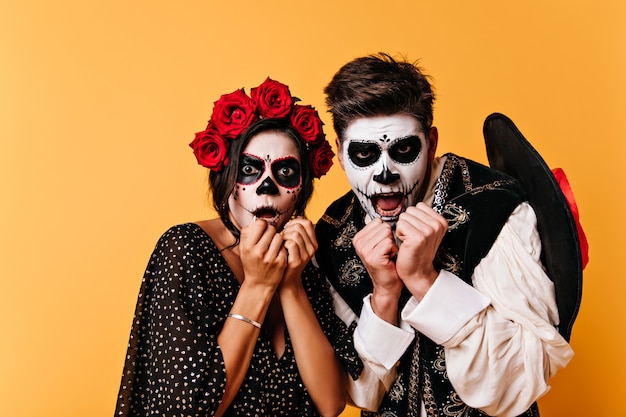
174	366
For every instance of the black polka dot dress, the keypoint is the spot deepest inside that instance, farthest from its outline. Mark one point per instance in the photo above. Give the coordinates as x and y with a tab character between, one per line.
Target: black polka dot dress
174	366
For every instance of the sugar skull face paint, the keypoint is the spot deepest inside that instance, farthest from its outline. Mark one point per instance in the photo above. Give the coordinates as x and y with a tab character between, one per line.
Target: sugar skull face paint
386	162
269	181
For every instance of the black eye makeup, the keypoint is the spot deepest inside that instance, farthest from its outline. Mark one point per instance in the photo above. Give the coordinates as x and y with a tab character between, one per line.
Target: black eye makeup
363	154
406	150
287	172
250	170
403	150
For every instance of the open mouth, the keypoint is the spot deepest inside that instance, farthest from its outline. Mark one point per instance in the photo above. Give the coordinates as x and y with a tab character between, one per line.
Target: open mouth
388	204
268	214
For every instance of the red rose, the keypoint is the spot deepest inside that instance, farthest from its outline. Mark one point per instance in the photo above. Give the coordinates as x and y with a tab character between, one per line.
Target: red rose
273	99
321	157
210	149
233	113
308	123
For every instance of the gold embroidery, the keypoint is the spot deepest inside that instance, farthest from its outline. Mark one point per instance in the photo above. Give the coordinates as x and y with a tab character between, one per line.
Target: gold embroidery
455	215
467	181
397	390
344	240
448	262
428	397
387	414
443	182
351	271
440	363
457	408
491	186
413	394
339	222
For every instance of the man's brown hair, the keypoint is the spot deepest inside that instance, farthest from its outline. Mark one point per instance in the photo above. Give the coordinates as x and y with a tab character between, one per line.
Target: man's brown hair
379	85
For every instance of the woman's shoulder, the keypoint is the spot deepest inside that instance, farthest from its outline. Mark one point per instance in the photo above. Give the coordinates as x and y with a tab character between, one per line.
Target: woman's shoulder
183	230
184	235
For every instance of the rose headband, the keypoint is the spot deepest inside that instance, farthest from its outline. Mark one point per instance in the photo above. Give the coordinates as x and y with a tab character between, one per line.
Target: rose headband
233	113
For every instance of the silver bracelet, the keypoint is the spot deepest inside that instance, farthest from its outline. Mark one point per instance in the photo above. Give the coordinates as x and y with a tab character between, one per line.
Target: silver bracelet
247	320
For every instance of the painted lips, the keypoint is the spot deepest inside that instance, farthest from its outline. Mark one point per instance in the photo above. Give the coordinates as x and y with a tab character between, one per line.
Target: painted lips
268	214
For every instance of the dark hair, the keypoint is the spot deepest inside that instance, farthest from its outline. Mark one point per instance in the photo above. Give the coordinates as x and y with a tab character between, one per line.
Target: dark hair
222	183
379	85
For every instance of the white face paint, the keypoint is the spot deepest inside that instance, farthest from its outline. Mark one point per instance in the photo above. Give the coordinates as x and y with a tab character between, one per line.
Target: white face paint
269	181
385	159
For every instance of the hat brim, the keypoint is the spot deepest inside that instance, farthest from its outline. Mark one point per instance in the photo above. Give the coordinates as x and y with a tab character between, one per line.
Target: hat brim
509	152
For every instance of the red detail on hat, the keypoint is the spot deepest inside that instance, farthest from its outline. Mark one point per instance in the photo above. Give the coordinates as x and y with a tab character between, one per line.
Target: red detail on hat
561	179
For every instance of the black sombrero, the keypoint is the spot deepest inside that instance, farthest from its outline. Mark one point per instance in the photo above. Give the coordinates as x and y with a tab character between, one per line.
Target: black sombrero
508	151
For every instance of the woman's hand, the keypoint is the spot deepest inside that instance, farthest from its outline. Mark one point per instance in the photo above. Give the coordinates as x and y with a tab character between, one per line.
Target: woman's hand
300	244
262	254
321	372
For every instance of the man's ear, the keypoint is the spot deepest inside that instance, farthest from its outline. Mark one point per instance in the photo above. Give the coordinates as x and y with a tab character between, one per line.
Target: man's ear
433	138
339	153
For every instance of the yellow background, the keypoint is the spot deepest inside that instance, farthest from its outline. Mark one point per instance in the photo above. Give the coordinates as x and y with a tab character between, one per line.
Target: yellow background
99	99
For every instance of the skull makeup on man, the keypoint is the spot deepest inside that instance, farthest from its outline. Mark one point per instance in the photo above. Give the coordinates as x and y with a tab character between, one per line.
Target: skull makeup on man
434	259
386	160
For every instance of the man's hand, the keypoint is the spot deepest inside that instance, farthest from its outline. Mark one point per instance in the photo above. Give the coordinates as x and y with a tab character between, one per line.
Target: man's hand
377	248
421	230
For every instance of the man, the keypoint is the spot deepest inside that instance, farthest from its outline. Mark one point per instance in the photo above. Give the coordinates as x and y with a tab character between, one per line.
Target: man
436	258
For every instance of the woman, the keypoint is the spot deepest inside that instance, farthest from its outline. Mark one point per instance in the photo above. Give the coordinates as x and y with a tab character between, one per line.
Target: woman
232	319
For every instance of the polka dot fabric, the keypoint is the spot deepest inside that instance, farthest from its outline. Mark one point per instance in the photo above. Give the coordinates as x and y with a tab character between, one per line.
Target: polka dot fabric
174	366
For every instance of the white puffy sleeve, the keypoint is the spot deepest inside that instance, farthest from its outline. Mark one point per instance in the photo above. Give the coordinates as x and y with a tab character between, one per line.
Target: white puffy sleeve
500	360
379	345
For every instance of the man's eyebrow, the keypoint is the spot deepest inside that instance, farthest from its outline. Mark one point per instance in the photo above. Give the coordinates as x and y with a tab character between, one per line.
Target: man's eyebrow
384	139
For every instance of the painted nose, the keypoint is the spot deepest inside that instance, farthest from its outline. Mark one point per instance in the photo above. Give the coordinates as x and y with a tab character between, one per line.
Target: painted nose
386	177
267	187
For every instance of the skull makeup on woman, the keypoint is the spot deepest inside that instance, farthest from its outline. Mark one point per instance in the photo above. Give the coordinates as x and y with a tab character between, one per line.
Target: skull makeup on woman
236	300
269	181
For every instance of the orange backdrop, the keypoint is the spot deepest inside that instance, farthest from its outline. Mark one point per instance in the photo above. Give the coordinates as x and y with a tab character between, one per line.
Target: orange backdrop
99	99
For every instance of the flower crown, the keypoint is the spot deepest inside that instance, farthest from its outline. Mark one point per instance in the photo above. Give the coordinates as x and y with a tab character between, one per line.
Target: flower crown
233	113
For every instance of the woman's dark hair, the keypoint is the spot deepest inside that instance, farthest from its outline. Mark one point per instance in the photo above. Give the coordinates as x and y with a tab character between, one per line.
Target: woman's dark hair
377	85
222	183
